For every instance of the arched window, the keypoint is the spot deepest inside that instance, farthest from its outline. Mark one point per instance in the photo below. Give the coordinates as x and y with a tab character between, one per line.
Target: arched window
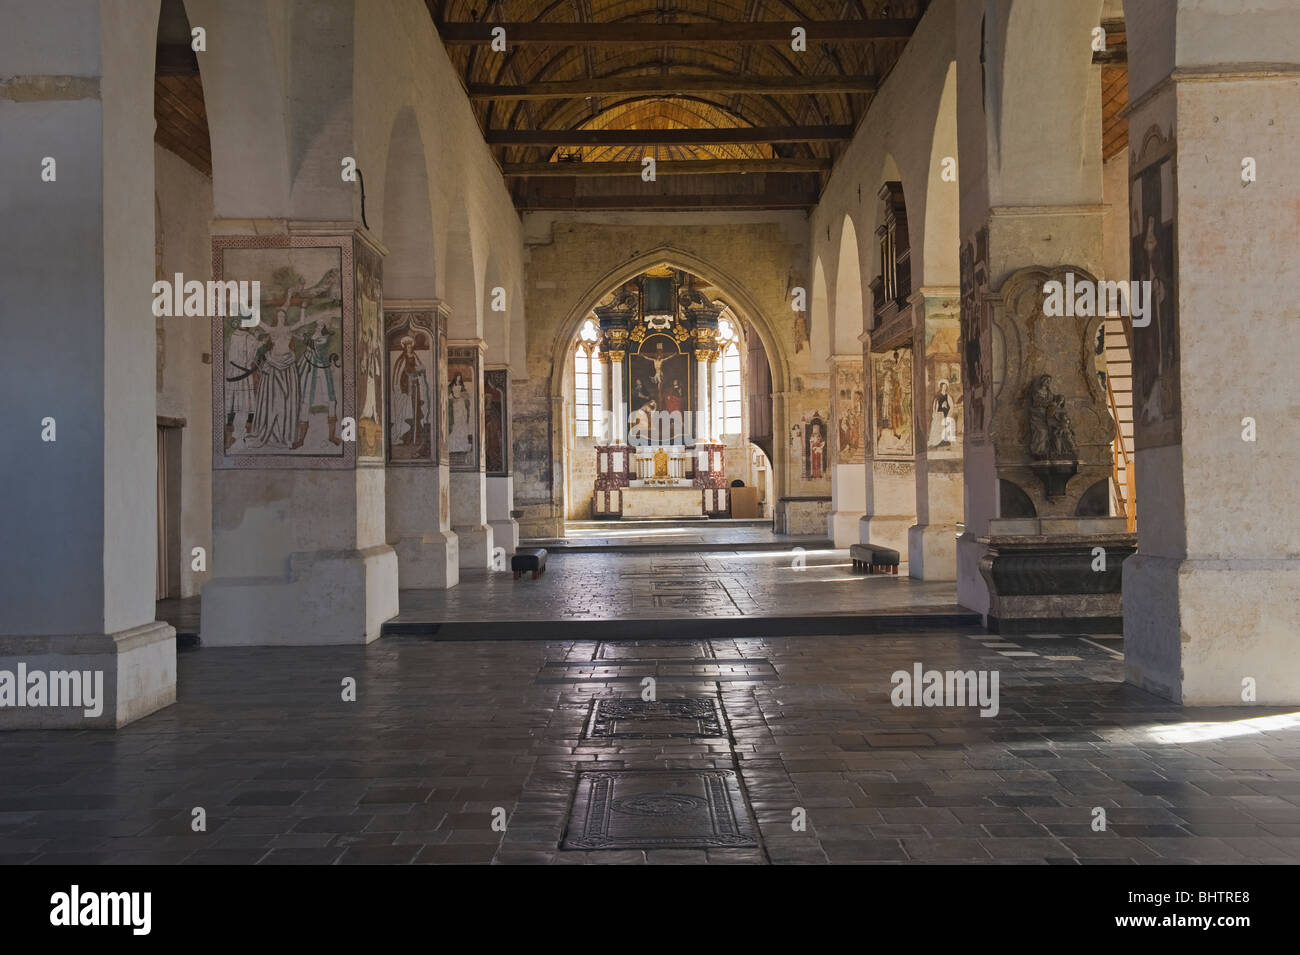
727	386
587	381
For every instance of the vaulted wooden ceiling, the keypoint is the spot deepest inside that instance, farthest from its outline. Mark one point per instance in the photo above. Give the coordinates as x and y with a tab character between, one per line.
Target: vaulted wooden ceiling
712	89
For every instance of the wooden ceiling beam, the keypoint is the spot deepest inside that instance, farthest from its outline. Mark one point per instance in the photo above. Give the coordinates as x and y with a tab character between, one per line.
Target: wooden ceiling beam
783	200
671	85
722	136
699	33
679	167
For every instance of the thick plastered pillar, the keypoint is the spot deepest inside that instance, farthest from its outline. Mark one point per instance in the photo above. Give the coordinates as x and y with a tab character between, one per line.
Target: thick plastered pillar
1212	597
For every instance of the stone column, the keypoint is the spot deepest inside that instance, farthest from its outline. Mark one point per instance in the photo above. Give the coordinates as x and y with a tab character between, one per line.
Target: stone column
703	394
1037	429
848	470
300	552
417	488
1212	597
888	359
497	456
617	410
932	541
78	524
468	478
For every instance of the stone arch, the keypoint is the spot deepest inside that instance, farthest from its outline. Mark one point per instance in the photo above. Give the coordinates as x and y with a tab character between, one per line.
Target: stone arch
847	323
735	296
940	242
496	325
819	313
247	122
732	292
406	215
458	283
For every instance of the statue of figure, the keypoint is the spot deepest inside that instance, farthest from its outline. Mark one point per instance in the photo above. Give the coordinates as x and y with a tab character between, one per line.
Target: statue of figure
1040	398
1060	437
1051	436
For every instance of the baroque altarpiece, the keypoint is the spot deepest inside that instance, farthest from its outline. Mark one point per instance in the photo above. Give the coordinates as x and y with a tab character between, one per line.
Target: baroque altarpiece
659	458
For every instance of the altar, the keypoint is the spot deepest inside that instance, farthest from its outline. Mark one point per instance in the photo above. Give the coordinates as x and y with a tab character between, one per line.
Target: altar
658	336
661	488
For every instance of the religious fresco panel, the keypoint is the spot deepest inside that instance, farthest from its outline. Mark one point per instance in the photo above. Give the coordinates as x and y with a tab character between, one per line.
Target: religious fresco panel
941	424
892	424
282	389
1152	234
496	422
850	428
412	384
463	411
370	358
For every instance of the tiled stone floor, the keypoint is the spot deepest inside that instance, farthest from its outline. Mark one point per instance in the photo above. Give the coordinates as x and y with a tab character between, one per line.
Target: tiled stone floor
721	583
674	535
443	734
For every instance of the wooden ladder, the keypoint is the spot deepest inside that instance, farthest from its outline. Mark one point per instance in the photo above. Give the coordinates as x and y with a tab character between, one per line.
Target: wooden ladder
1119	395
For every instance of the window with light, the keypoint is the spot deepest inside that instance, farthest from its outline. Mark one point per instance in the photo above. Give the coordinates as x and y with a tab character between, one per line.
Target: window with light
727	387
587	381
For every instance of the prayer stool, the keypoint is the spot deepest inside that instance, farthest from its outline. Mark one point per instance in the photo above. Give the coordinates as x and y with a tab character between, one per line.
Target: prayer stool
530	558
874	559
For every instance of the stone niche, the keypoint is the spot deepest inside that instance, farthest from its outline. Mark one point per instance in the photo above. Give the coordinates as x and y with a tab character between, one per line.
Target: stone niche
1054	554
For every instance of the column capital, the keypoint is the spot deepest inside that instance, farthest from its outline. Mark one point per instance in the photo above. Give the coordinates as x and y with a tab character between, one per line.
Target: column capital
418	305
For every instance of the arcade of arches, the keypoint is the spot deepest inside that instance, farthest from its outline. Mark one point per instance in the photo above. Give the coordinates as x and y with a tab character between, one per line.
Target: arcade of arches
823	320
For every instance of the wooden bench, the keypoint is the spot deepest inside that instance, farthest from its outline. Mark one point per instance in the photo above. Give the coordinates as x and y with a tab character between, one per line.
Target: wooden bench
874	559
530	558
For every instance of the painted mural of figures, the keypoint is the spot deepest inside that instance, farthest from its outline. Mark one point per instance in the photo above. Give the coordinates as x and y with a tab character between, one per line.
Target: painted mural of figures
796	449
317	378
943	427
371	368
816	450
277	417
897	416
642	422
460	427
639	395
887	396
242	379
410	400
1159	350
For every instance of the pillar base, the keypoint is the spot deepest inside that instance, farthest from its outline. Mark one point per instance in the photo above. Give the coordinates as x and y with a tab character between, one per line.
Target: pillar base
885	530
328	597
431	562
932	551
1194	629
842	527
475	546
138	668
505	534
1048	582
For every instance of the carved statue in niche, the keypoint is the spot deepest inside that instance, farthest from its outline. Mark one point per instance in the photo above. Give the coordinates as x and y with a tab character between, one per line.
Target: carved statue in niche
1051	436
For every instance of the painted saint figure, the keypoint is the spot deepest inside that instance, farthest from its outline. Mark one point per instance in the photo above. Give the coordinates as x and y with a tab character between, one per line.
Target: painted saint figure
317	378
461	429
242	379
276	420
943	427
816	450
410	400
